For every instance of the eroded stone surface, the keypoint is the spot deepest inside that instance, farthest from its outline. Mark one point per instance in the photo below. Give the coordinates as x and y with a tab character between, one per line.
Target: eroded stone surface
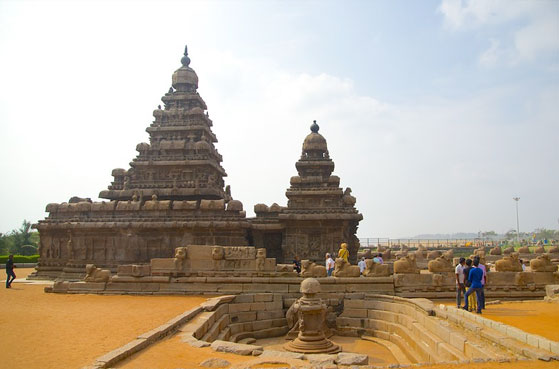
235	348
215	363
346	358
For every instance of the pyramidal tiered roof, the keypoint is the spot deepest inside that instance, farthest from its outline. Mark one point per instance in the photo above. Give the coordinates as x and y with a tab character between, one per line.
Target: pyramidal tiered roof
315	189
180	161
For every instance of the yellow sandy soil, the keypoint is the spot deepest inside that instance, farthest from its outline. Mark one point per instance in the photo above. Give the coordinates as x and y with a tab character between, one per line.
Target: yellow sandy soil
172	353
41	330
537	317
44	330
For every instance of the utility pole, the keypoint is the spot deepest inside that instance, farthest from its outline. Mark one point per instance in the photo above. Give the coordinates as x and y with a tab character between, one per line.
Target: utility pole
517	226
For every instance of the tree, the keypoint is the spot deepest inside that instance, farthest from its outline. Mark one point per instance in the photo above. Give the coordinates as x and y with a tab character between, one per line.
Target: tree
22	237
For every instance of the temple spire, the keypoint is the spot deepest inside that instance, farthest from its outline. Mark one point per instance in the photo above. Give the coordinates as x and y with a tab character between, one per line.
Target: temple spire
185	60
314	127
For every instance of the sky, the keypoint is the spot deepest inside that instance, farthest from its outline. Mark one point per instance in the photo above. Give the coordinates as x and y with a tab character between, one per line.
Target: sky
436	113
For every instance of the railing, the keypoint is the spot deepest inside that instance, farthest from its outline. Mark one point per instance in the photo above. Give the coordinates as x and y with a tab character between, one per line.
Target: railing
373	242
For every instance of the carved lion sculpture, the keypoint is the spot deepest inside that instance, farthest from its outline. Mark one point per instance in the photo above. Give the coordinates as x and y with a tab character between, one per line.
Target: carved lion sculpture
509	250
366	254
387	255
311	269
542	264
524	250
373	269
539	250
432	255
94	274
180	255
421	252
554	250
406	265
343	268
509	263
496	251
441	264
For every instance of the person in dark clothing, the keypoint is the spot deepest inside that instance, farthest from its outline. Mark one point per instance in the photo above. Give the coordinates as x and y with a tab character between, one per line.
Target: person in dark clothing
297	264
472	302
474	277
10	271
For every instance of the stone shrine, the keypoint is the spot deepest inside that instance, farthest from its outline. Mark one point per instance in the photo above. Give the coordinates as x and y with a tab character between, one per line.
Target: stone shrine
174	195
319	215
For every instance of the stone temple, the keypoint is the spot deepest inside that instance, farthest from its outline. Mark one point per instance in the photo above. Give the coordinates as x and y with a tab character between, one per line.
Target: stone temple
174	195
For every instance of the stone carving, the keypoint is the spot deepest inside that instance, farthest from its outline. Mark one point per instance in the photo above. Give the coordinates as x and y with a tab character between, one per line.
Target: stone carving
308	315
554	250
421	252
311	269
509	263
76	199
432	255
524	250
260	259
509	250
343	268
441	264
373	269
539	250
174	195
495	251
367	254
94	274
542	264
406	265
387	255
180	256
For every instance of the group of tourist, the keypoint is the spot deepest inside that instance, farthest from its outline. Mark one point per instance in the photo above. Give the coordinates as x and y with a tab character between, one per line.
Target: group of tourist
330	264
471	277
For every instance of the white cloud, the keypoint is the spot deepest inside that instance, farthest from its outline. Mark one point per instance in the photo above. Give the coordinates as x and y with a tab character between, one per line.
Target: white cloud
534	27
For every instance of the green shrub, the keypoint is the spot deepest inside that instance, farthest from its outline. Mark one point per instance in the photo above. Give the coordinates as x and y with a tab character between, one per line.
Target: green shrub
20	259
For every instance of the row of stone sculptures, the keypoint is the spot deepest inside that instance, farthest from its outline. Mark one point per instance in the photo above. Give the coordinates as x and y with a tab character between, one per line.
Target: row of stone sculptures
497	250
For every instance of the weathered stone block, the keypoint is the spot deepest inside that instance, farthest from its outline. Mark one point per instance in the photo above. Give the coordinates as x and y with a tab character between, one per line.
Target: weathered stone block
235	348
263	297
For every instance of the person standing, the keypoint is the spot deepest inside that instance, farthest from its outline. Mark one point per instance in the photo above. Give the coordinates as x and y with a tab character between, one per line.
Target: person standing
472	302
343	253
10	275
329	264
483	282
460	289
475	277
362	265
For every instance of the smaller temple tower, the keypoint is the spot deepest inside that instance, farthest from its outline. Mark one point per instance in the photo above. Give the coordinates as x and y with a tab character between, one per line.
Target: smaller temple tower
319	215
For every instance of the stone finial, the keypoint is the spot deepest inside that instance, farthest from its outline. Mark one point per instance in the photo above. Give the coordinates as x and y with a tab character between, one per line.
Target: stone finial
310	286
314	127
185	60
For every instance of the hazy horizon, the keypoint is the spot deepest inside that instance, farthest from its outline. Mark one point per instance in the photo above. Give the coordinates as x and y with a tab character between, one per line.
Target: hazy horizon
436	113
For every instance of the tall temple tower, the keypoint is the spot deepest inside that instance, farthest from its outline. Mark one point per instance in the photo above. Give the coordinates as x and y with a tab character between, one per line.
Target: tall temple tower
180	162
319	215
172	195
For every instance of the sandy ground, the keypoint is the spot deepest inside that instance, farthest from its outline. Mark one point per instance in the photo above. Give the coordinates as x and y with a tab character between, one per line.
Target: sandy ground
172	353
537	316
41	330
44	330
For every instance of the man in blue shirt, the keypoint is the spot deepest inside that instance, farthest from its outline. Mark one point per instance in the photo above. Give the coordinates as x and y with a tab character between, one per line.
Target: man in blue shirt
474	277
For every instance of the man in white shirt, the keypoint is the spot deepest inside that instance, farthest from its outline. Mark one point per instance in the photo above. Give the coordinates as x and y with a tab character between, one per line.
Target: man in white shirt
362	265
460	289
329	264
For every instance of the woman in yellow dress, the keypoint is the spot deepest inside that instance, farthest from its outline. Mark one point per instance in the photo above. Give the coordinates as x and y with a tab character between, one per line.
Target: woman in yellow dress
343	253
